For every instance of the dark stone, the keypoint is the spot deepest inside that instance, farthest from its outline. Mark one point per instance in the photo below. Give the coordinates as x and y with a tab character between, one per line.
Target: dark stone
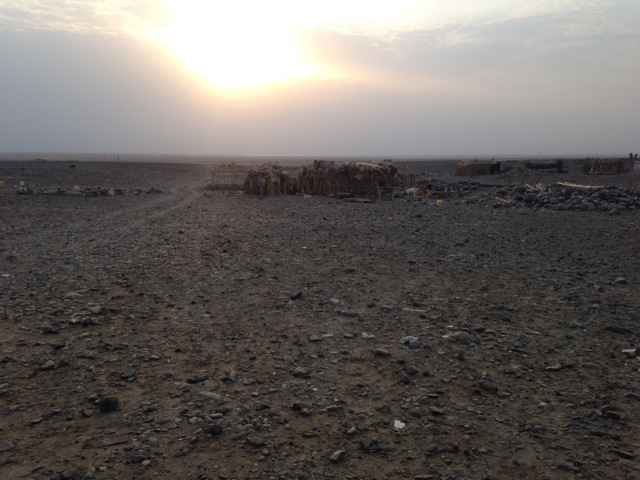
623	454
108	403
297	406
487	386
302	372
129	375
381	352
197	379
365	445
433	449
619	330
436	411
214	429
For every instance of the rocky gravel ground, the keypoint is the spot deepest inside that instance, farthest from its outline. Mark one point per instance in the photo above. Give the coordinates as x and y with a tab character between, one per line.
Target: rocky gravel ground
185	333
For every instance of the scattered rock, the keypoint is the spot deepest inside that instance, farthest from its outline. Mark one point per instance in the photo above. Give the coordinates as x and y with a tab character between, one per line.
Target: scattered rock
554	368
338	456
255	440
412	342
48	365
488	386
73	296
365	445
567	198
5	446
301	372
137	458
437	411
214	429
211	396
108	403
199	378
229	377
624	454
618	329
68	474
433	449
129	375
106	441
459	337
301	408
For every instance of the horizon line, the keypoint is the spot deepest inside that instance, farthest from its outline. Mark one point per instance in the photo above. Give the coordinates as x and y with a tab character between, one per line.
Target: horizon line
97	156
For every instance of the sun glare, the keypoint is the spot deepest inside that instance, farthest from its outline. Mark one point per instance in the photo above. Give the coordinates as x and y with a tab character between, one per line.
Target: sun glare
235	45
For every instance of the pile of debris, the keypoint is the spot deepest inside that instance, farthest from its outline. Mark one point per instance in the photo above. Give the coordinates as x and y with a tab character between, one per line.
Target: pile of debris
76	191
567	196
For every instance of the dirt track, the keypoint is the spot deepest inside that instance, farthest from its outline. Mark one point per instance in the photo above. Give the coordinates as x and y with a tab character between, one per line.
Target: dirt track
275	325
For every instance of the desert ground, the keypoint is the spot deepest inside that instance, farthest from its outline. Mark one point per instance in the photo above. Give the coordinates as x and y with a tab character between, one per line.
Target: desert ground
171	331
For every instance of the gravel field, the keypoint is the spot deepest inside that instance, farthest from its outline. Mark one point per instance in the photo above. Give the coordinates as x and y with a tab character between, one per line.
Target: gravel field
169	331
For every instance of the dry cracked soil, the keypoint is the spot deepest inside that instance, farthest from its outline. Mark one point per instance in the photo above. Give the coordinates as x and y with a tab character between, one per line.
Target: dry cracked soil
193	334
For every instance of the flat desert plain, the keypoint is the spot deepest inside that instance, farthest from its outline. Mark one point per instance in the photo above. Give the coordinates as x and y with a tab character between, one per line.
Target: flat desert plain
186	333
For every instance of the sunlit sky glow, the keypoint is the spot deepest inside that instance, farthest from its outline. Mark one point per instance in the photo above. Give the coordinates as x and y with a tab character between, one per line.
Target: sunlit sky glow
332	77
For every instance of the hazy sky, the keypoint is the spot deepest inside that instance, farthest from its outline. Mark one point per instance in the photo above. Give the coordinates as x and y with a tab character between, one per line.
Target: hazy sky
329	77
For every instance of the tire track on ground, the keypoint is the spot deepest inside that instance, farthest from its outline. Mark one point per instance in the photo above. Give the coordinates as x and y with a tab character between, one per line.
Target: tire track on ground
101	238
179	197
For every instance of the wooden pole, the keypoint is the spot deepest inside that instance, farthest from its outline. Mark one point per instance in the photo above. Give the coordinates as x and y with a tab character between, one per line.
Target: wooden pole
634	170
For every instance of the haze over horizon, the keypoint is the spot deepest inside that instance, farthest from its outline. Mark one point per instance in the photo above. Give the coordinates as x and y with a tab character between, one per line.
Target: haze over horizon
348	78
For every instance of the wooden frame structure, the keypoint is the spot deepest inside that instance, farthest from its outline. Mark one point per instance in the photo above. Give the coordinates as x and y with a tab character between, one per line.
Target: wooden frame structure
228	176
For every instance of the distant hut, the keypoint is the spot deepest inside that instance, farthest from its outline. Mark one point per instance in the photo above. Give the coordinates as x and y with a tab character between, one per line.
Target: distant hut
469	168
327	177
266	181
227	176
605	166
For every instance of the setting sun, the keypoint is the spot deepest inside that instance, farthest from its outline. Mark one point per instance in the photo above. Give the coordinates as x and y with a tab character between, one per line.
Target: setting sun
235	46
